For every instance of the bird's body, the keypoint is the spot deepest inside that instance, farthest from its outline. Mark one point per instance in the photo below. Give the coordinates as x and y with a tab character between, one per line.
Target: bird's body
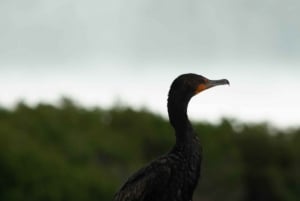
173	176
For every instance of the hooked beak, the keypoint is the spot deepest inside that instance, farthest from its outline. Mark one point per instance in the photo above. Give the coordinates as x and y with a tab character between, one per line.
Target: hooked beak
213	83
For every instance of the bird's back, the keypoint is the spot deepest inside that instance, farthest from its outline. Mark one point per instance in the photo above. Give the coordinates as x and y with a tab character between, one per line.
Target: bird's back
146	184
169	178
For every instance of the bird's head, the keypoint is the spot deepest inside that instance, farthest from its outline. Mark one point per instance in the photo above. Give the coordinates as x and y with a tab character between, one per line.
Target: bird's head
188	85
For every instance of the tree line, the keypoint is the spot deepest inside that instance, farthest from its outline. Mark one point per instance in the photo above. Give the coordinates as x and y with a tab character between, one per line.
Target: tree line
69	152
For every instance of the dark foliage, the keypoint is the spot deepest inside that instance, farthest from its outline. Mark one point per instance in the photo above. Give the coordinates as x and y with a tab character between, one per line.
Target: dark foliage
67	152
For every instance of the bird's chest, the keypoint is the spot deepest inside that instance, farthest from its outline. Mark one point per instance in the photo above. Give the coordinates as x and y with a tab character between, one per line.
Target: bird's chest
184	180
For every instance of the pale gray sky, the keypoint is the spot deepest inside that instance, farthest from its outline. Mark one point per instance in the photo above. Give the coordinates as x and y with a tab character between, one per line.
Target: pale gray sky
97	51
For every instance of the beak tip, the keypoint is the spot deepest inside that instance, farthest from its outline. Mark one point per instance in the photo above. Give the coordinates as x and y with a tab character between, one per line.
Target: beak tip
213	83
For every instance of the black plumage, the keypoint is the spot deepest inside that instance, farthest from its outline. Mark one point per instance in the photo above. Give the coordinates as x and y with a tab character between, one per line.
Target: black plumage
173	176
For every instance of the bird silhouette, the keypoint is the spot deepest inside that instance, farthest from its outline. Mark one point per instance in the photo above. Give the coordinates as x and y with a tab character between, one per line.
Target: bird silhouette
173	176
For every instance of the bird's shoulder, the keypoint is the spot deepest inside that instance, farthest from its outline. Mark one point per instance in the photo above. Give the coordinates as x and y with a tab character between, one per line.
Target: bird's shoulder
146	182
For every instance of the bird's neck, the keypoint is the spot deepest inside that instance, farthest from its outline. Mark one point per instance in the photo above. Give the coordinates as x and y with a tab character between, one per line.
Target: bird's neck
177	110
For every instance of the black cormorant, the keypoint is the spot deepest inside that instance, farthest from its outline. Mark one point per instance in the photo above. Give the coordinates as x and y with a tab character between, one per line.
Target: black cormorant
173	176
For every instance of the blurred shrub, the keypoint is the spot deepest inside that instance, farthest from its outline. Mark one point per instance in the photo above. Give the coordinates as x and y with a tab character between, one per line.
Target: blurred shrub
68	152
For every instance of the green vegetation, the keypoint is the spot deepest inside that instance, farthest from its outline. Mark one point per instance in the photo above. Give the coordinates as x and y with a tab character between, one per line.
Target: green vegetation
67	152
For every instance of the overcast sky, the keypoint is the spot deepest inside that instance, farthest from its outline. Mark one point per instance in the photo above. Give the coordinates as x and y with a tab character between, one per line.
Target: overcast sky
101	51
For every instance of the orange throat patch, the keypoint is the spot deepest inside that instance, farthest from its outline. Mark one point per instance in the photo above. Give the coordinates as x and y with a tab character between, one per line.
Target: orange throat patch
200	88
